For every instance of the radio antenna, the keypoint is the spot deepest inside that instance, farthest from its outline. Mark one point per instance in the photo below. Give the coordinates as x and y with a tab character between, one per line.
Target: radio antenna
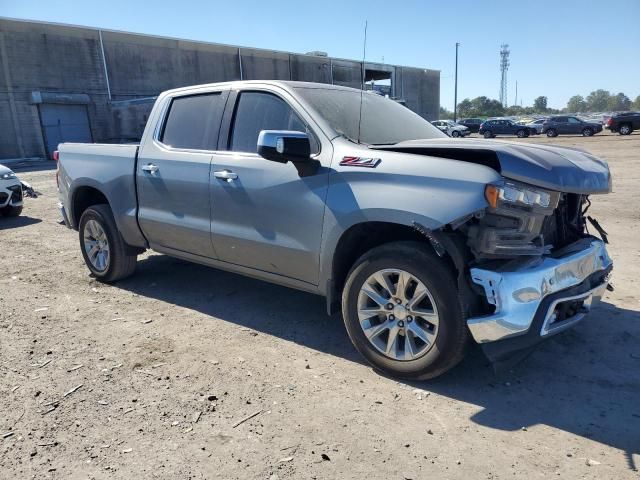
364	54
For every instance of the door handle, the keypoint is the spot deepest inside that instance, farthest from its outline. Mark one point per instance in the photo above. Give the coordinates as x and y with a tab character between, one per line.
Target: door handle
227	175
150	167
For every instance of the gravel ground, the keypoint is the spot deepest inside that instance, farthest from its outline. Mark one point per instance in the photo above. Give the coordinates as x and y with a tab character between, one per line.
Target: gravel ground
153	377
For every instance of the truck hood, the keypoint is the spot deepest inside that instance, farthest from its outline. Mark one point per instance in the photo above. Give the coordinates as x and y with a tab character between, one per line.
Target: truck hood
556	168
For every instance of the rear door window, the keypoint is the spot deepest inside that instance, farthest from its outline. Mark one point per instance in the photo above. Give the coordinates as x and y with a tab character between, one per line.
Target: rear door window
256	111
193	122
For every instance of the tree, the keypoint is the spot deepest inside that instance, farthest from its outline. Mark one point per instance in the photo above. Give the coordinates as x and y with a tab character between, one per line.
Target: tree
636	103
540	104
444	113
598	100
576	104
465	108
619	103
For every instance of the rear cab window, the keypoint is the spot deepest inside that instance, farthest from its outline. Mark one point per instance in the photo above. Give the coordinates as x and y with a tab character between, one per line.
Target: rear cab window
193	121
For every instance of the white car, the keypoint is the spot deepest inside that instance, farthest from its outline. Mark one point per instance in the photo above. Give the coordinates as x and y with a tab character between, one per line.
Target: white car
536	125
10	193
451	128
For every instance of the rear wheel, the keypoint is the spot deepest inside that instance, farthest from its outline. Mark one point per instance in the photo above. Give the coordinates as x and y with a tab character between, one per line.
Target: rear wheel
487	134
104	251
625	129
11	211
552	133
402	311
521	133
587	132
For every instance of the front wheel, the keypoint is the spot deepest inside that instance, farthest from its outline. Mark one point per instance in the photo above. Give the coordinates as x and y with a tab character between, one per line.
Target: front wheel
487	134
11	211
455	134
402	312
552	133
587	132
521	133
104	251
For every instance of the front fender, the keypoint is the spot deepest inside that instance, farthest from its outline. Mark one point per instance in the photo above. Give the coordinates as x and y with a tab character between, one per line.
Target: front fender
443	191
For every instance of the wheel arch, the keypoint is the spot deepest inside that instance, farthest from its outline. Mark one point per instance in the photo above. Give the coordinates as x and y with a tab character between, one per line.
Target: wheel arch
83	197
364	236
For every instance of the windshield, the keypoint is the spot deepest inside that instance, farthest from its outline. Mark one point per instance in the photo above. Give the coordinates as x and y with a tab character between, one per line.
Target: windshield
384	122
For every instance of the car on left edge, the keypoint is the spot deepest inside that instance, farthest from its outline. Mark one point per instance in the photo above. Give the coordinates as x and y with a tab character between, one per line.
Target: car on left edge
10	193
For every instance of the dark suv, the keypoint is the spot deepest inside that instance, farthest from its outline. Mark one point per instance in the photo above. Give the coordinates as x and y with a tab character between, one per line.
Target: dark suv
624	123
566	125
491	128
473	124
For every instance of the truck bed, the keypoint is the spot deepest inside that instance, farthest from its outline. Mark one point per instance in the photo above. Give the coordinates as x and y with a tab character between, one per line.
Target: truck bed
109	168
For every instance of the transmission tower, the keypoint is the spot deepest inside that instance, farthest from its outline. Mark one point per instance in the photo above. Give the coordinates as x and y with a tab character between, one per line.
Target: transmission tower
504	66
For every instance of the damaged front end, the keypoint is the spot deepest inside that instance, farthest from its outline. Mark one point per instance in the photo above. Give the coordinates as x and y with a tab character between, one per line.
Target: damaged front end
535	263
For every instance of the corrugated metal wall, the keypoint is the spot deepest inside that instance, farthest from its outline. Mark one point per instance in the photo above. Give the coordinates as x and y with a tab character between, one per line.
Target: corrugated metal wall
41	57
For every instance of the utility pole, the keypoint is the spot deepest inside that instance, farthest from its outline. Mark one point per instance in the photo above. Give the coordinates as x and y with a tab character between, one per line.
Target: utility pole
455	91
516	102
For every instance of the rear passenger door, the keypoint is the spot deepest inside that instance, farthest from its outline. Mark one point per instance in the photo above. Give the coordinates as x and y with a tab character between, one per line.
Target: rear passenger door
562	125
264	215
173	174
574	125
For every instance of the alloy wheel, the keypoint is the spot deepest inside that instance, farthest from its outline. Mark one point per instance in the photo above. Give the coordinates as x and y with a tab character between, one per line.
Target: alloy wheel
398	314
96	245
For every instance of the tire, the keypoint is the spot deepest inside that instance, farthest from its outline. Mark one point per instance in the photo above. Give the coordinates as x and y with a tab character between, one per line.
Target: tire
11	211
521	133
587	132
487	134
417	261
552	133
455	134
97	223
625	129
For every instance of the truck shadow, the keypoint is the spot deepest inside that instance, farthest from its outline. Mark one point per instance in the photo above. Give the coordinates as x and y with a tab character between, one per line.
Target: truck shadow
584	381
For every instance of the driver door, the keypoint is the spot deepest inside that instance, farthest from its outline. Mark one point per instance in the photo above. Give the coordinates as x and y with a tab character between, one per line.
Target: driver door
263	214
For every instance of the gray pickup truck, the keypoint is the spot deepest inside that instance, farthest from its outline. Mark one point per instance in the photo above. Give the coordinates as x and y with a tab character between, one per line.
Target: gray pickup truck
425	243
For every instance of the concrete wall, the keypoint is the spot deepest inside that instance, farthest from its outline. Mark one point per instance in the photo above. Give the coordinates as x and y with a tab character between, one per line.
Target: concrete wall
58	59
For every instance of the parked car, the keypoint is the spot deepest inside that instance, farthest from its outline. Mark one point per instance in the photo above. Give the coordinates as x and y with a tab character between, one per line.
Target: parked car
536	126
451	128
473	124
624	123
425	242
10	193
568	125
491	128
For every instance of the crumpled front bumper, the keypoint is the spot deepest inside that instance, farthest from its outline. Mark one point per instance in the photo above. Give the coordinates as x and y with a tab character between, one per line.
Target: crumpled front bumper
527	294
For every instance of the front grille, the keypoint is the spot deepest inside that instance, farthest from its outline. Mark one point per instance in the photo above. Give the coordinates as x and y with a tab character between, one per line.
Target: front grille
16	195
566	224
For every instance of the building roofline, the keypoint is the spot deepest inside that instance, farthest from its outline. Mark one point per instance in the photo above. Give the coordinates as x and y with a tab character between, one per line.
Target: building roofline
202	42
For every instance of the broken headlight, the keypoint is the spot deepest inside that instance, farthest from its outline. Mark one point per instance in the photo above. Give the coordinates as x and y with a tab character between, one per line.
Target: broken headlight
512	224
519	194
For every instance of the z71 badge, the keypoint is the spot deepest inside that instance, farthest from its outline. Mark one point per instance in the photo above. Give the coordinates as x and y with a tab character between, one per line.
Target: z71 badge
360	162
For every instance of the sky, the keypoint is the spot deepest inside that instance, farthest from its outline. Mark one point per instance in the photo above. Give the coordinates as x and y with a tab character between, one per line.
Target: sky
559	48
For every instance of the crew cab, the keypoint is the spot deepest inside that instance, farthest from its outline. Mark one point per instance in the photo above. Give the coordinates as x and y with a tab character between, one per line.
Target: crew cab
624	123
425	243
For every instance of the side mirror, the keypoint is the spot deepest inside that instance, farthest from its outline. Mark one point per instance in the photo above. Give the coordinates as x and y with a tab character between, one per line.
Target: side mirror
284	146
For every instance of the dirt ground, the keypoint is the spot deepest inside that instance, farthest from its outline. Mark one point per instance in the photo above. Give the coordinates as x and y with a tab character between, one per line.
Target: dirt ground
151	377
